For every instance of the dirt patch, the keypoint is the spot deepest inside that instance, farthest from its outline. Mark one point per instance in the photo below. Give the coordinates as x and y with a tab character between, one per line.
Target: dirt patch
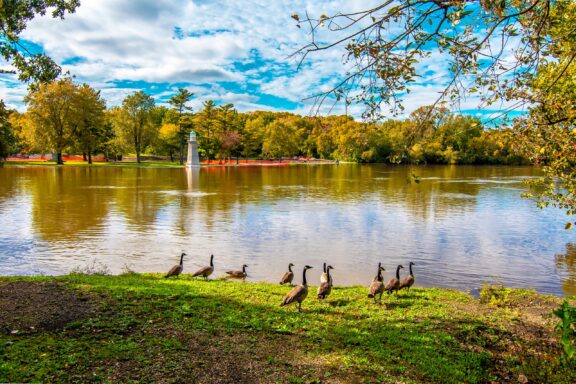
29	307
221	358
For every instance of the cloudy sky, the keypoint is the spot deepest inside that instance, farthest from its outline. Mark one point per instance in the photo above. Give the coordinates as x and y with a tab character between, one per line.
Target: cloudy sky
228	51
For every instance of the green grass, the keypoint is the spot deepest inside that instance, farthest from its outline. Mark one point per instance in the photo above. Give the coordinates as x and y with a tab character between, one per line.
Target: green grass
146	328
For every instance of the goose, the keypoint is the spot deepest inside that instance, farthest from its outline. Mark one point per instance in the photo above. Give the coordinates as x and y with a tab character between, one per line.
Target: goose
205	271
324	277
298	293
325	288
377	286
238	274
409	280
394	283
288	276
177	269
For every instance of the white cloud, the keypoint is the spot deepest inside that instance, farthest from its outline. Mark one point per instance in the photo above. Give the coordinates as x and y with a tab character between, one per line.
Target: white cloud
114	45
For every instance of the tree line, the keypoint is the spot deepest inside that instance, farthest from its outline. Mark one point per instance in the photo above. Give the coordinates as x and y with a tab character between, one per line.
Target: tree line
65	117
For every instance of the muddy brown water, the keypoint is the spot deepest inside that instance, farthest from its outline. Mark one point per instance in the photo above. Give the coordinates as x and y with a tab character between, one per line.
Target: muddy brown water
461	225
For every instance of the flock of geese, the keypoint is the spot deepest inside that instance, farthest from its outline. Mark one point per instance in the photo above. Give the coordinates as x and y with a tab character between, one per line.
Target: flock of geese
299	292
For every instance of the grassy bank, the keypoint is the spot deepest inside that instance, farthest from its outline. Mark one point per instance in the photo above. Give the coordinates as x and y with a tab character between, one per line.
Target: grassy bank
143	328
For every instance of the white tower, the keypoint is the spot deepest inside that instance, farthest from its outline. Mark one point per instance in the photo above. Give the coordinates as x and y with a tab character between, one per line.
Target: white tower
192	158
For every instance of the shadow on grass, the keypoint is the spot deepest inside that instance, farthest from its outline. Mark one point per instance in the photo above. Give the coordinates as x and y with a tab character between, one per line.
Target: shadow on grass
186	330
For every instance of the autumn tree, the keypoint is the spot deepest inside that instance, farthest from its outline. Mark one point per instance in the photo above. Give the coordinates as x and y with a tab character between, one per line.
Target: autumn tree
169	139
548	134
52	108
521	52
387	48
280	139
134	121
179	103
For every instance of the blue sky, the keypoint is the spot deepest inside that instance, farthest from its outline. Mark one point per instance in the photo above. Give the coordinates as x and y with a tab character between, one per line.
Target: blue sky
228	51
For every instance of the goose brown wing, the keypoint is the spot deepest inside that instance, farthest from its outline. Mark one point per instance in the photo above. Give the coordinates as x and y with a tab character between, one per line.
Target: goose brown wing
202	271
376	287
297	293
174	271
287	278
324	289
407	282
392	284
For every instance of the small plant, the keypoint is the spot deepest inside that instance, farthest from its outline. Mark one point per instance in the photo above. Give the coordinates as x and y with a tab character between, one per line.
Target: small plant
96	268
567	329
495	294
127	270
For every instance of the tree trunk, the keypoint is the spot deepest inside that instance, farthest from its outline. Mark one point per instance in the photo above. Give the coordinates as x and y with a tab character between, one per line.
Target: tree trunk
89	157
83	156
138	156
181	149
59	160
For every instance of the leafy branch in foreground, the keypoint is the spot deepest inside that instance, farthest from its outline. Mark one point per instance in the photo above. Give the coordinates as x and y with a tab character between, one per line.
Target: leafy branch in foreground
14	16
493	47
566	328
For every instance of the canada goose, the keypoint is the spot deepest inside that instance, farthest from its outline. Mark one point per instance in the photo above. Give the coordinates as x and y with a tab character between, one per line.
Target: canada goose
324	277
325	288
177	269
409	280
377	286
394	283
205	271
288	276
298	293
238	274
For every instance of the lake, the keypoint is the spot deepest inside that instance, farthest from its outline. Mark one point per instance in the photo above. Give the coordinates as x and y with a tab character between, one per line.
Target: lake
461	225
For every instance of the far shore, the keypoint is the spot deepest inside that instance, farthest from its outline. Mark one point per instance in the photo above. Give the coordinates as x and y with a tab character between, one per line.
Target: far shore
168	164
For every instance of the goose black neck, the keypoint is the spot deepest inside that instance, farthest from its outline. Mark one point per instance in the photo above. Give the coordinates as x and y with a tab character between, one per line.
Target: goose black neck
324	268
304	276
379	276
212	260
328	274
411	270
398	272
244	268
289	267
181	259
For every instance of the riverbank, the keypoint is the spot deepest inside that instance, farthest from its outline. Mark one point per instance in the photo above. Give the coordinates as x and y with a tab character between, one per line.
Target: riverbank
127	328
167	164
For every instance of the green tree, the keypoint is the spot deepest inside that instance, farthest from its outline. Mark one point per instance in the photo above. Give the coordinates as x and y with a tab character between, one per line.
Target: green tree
89	129
179	102
206	123
135	122
14	16
7	137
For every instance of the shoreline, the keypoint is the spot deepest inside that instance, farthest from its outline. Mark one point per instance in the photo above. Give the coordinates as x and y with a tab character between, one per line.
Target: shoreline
144	327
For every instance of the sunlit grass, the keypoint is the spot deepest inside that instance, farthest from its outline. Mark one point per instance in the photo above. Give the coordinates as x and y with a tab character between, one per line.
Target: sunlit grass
425	335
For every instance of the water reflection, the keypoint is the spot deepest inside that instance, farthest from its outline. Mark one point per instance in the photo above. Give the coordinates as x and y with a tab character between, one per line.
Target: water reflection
566	263
461	225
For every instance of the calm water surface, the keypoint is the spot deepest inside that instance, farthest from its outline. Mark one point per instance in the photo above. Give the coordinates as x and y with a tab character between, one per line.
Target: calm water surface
462	226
